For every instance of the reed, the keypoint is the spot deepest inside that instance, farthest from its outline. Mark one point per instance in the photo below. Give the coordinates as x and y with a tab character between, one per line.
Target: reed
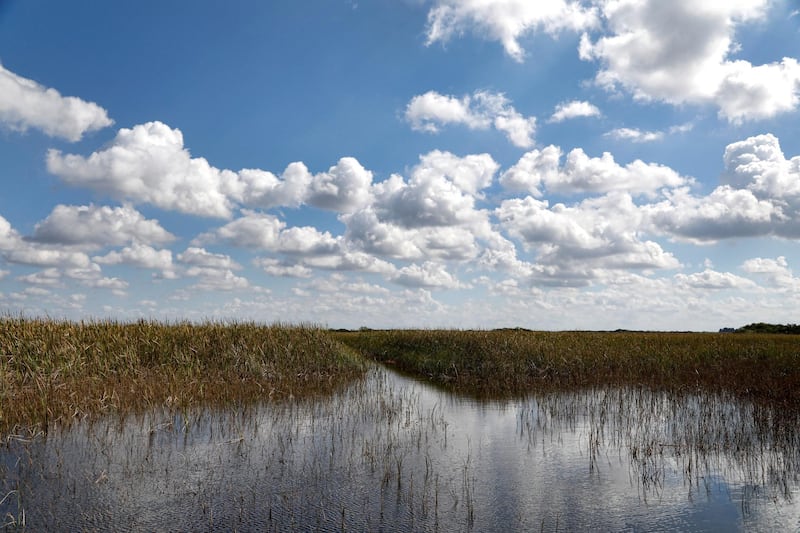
512	361
57	370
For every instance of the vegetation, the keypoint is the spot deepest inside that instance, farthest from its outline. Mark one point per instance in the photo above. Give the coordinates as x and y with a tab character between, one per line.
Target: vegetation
512	361
56	370
761	327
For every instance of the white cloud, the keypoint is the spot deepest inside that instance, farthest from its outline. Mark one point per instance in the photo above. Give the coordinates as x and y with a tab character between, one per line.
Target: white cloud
428	275
28	255
266	232
759	195
679	52
635	135
25	104
343	188
195	256
253	230
149	163
95	226
307	240
441	191
274	267
506	20
116	285
217	279
138	255
49	277
351	260
725	213
430	111
583	174
713	280
260	188
776	271
574	109
597	233
758	164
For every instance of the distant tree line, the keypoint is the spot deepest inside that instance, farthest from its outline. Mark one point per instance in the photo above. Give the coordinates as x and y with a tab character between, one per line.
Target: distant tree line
762	327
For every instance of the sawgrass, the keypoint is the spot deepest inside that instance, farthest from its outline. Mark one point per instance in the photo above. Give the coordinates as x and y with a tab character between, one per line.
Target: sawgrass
512	361
58	370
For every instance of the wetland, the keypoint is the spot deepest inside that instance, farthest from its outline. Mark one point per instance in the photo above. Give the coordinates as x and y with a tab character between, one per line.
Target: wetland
425	431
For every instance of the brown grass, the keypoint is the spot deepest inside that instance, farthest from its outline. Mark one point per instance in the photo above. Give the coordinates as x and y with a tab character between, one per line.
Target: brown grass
57	370
513	361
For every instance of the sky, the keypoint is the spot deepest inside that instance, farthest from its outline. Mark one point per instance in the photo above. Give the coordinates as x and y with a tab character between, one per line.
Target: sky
554	165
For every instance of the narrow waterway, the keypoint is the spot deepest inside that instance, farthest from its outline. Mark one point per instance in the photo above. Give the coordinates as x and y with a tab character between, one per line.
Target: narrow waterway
393	453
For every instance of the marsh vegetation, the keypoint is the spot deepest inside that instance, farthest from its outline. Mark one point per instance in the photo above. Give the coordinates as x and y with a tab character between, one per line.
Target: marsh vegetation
58	371
765	367
242	427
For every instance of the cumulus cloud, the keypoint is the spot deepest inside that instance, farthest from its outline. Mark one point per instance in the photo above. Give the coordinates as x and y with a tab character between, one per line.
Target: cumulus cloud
758	165
430	111
776	271
25	104
635	135
138	255
583	174
679	52
441	191
149	164
507	20
343	188
759	195
574	109
275	267
261	188
597	233
217	279
351	260
98	226
195	256
253	230
49	277
266	232
713	280
30	255
725	213
428	275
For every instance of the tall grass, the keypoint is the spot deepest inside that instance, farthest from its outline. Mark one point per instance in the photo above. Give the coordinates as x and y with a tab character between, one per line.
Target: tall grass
512	361
57	370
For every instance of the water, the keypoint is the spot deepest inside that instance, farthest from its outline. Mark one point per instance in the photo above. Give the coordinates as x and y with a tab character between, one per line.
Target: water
391	453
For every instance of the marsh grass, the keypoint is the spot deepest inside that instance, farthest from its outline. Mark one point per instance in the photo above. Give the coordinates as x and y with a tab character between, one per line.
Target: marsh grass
508	362
57	370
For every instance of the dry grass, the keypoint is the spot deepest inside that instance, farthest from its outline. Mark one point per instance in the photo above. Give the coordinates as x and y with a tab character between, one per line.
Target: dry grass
501	362
56	370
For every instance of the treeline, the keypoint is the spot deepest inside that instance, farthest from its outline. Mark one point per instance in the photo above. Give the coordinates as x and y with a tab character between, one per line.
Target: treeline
762	327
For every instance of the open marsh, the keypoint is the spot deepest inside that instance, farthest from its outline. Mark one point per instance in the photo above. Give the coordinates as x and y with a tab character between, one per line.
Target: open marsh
390	452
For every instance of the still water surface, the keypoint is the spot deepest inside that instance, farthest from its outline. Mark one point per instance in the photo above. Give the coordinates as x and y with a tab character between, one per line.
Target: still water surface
392	453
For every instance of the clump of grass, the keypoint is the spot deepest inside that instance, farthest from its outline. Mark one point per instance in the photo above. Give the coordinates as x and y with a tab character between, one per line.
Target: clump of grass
504	362
58	370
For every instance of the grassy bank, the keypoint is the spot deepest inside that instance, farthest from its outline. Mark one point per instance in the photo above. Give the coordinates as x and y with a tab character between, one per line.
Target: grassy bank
512	361
56	370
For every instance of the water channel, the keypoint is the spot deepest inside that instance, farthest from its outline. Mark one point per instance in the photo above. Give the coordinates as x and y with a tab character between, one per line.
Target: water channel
391	453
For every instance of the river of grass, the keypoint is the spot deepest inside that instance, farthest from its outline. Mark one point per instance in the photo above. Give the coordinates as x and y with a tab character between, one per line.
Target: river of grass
148	426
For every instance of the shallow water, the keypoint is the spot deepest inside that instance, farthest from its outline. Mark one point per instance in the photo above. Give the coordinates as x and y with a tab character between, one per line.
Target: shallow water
392	453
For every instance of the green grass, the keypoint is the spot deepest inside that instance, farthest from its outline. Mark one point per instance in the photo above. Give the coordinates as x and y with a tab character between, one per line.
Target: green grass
505	362
58	370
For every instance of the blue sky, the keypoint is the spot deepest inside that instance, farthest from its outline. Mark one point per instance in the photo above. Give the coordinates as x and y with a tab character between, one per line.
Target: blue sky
443	163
